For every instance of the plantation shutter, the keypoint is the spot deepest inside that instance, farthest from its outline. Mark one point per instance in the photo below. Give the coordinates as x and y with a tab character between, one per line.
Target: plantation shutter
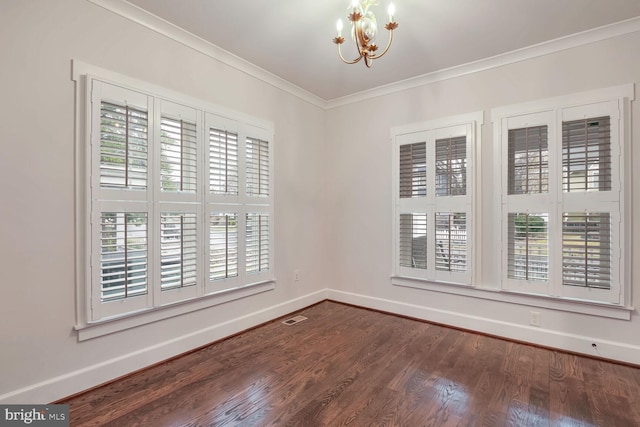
257	164
586	249
223	162
433	202
123	146
123	255
413	170
413	240
528	160
586	155
178	154
223	246
239	205
528	246
451	241
178	250
563	181
451	166
257	243
170	183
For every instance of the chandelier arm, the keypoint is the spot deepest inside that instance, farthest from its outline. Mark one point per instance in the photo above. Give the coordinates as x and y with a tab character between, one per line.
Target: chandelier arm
368	61
345	61
385	49
363	30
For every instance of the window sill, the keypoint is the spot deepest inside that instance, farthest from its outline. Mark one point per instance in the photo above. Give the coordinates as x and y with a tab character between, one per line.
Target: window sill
541	301
132	320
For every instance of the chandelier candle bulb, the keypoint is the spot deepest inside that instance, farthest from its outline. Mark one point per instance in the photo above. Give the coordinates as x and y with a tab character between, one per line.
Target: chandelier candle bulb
339	27
392	11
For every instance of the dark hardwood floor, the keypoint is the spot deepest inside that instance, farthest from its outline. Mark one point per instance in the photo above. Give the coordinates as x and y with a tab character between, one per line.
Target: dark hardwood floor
350	366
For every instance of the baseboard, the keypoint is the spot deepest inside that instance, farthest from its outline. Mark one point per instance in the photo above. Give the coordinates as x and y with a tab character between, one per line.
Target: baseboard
82	379
580	344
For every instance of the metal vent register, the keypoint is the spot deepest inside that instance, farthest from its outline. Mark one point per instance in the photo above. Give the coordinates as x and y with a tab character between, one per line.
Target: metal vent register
294	320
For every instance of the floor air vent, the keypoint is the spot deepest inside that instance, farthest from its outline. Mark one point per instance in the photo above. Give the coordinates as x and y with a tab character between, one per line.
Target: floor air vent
294	320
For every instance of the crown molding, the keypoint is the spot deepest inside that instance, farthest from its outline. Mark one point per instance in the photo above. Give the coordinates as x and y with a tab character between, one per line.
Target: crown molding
163	27
563	43
172	31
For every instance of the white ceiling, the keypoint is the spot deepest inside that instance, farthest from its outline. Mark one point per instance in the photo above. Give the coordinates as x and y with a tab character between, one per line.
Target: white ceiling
292	38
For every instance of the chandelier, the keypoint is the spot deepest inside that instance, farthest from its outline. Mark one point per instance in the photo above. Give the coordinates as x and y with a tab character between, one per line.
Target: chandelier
363	31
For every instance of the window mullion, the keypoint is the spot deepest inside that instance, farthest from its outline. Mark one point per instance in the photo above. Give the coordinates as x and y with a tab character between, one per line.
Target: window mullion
182	154
226	161
126	146
126	257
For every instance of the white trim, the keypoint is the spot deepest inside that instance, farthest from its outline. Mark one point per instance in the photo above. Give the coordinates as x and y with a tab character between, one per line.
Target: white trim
166	311
612	102
91	83
545	48
476	201
80	69
82	157
626	210
441	122
536	301
72	382
177	34
565	101
165	28
428	132
535	335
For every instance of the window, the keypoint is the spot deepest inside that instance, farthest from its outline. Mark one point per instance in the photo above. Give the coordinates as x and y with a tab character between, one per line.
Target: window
257	167
223	162
179	201
223	246
413	240
433	199
586	249
178	250
238	204
586	155
451	241
123	255
178	154
123	145
257	243
527	247
451	166
528	160
562	190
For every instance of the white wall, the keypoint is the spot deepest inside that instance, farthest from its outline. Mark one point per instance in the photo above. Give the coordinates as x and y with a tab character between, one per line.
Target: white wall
333	195
360	192
40	357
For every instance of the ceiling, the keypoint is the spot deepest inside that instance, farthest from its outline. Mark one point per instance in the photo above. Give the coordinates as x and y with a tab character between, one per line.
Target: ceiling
292	38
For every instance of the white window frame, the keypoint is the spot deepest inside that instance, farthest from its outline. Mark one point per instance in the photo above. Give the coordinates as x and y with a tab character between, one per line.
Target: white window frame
239	204
467	125
95	317
613	102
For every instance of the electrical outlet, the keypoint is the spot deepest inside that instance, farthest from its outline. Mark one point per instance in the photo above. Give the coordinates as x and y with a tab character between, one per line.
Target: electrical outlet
534	318
296	275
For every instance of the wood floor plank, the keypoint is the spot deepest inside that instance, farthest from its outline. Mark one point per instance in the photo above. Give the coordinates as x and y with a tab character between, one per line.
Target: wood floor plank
398	354
377	350
448	403
569	402
538	407
346	366
540	368
482	394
